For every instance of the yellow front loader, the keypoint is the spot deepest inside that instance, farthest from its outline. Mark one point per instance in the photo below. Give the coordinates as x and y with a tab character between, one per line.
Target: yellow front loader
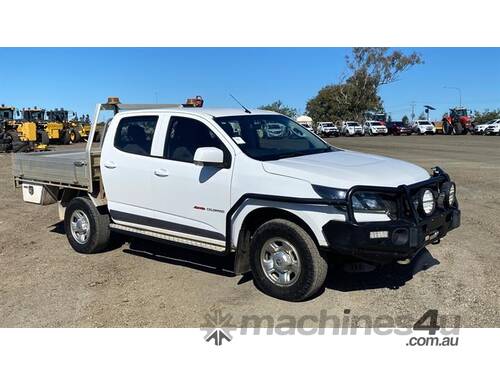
19	135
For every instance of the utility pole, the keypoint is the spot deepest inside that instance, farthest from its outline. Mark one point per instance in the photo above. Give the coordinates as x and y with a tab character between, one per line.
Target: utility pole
412	111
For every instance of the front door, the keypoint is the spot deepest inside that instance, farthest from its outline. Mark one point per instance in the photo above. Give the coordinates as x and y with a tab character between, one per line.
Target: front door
189	198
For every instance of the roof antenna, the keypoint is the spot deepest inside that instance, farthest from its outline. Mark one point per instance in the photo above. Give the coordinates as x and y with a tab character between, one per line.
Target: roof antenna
242	106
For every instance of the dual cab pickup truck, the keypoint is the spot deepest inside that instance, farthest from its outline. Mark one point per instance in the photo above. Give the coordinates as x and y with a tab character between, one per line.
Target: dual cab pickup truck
209	179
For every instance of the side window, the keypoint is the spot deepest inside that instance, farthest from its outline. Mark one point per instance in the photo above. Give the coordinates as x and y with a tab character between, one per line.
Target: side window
185	136
135	134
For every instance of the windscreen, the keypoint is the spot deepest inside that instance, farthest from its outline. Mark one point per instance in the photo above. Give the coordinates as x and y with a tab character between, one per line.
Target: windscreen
271	137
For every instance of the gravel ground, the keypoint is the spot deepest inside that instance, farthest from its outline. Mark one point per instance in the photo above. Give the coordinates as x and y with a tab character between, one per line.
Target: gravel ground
44	283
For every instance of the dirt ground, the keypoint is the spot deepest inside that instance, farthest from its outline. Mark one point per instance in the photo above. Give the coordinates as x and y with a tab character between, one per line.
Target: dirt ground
44	283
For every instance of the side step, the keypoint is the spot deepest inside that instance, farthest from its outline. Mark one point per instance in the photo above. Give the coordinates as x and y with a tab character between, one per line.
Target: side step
167	237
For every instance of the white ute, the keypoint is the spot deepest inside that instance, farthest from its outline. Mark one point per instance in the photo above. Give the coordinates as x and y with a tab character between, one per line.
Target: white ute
214	179
327	129
352	128
375	128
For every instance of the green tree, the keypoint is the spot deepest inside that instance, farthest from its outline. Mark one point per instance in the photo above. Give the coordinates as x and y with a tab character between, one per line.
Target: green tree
342	102
380	65
422	116
405	120
367	70
485	116
279	107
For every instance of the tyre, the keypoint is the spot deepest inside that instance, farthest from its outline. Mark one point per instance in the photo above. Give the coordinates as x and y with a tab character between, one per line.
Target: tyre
43	137
448	129
285	261
87	229
66	138
4	147
19	146
74	136
13	136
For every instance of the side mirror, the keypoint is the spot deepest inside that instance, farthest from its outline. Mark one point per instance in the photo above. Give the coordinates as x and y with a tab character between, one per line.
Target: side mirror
211	156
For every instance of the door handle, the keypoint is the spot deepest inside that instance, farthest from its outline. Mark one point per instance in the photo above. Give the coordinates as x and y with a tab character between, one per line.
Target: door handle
161	172
110	164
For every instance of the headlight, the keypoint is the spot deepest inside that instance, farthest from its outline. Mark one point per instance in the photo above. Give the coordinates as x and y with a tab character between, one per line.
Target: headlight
330	193
376	203
426	202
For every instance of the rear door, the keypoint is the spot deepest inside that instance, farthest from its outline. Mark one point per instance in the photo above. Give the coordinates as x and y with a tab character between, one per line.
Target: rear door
124	165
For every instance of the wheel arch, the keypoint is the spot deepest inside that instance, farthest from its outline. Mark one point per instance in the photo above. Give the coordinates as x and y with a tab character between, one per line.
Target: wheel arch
66	195
252	221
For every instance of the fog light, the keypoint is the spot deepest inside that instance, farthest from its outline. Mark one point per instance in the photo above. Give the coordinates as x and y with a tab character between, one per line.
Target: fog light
427	202
451	195
379	234
447	197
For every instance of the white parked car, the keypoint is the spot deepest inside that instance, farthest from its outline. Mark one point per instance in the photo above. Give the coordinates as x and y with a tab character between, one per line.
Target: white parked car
279	205
480	129
352	128
375	128
327	129
493	129
423	127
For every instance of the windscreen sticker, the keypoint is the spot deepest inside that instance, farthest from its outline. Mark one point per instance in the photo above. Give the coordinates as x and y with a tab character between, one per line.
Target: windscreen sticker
239	140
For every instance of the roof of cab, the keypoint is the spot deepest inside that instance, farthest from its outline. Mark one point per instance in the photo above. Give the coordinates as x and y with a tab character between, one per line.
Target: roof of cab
212	112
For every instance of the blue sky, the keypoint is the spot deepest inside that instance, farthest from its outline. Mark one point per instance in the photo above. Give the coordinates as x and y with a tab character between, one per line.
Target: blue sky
77	78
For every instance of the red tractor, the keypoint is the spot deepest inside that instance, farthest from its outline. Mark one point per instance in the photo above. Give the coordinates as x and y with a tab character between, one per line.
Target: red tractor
457	122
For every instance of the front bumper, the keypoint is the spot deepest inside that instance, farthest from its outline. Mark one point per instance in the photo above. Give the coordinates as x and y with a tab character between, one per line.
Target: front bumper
489	131
401	238
403	131
330	132
404	238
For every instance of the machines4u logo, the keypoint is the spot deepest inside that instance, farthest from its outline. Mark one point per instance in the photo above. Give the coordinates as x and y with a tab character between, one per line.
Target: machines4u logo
217	327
